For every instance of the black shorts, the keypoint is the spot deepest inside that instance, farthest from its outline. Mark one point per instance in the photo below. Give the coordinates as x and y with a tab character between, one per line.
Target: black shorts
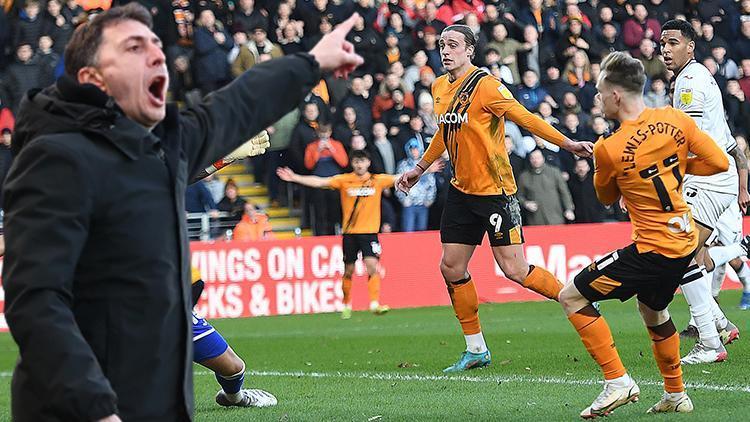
467	217
625	273
355	243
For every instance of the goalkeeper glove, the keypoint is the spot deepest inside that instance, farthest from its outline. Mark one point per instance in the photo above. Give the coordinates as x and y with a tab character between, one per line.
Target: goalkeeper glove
256	145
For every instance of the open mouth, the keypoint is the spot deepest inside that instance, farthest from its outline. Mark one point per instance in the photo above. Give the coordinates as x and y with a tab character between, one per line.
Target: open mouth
156	89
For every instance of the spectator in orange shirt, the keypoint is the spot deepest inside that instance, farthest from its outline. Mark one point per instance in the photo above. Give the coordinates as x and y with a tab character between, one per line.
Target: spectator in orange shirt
325	157
253	226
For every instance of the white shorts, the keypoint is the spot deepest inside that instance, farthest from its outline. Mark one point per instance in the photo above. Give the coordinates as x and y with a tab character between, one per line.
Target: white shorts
729	228
707	206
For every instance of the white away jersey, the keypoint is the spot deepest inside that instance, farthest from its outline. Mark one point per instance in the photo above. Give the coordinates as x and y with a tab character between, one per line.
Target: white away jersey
697	94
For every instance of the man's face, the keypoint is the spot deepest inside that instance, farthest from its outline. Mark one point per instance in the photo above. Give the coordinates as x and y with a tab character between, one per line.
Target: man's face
708	30
453	50
745	28
575	27
745	67
553	73
7	138
360	166
536	159
324	133
24	53
357	86
350	115
491	57
419	59
529	79
131	68
676	49
358	142
599	125
571	121
658	85
499	32
416	124
582	168
207	18
647	48
32	10
530	34
240	38
710	64
45	42
605	14
379	130
53	8
640	12
491	12
719	53
608	99
392	81
311	112
259	36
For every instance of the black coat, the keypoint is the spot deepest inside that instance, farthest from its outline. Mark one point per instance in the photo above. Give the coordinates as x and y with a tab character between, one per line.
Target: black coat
97	271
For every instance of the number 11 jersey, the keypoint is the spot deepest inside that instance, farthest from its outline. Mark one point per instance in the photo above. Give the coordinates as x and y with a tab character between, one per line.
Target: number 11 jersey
645	161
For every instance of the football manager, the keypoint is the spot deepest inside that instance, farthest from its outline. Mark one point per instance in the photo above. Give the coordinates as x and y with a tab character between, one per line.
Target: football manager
96	271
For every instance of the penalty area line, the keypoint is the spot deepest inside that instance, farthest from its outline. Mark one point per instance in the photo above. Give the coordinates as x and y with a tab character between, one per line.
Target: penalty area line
476	379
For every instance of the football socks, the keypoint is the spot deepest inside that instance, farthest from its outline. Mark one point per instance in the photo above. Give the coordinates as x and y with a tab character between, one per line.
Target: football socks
597	338
543	282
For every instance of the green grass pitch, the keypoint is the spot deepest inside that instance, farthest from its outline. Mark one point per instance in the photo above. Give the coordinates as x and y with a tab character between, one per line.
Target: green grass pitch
388	368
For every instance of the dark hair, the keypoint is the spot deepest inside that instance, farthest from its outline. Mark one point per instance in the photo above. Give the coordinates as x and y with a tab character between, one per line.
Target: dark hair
83	47
469	38
359	154
685	28
624	71
324	127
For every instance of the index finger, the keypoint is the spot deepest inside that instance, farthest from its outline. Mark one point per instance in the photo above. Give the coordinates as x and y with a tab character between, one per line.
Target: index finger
347	25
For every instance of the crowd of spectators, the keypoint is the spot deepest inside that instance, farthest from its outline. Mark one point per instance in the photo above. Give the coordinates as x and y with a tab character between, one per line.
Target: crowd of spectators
547	52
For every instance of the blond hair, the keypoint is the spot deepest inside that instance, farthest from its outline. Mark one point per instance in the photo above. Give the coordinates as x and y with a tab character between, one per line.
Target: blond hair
621	69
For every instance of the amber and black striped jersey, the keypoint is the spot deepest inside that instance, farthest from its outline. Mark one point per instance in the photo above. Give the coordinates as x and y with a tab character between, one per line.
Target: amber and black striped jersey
470	113
645	161
360	200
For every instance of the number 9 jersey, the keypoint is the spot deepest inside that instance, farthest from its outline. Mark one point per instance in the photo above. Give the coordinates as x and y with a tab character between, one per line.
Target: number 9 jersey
645	161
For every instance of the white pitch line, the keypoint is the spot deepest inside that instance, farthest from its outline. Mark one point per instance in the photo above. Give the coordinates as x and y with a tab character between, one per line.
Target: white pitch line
464	378
474	379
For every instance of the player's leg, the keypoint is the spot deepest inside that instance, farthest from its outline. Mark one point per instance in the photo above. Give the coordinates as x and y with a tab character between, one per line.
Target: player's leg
465	300
212	351
717	281
695	290
460	233
501	217
511	260
350	250
593	285
346	287
665	344
707	208
743	273
369	246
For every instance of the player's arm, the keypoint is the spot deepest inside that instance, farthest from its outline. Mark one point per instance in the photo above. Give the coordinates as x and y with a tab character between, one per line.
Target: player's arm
741	160
48	228
498	100
691	100
286	174
605	181
709	157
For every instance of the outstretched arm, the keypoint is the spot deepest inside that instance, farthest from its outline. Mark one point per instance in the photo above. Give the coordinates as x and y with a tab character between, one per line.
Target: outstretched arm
741	160
286	174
